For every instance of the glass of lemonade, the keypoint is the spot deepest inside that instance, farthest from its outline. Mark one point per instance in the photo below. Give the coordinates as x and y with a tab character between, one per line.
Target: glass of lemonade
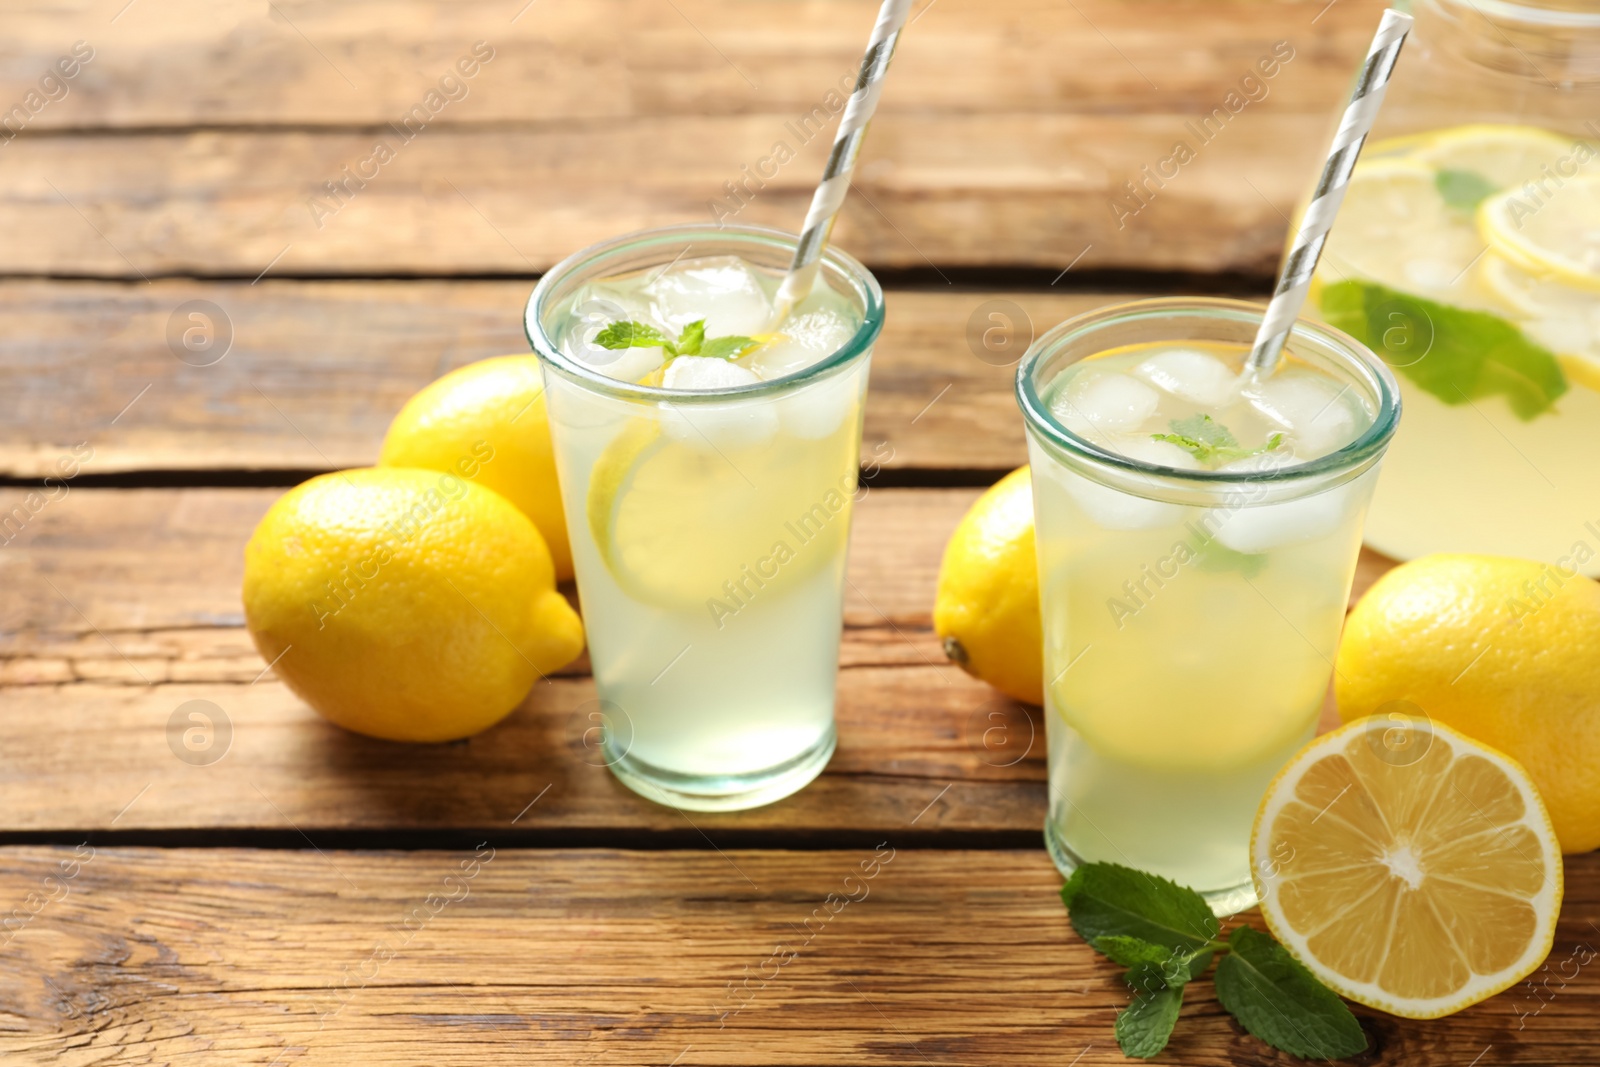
1467	255
708	486
1197	537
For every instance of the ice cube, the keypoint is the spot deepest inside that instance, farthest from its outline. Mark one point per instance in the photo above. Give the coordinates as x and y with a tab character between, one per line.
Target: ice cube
598	305
696	373
623	364
818	409
1112	509
1254	528
724	291
1317	413
1190	375
802	341
718	426
1107	402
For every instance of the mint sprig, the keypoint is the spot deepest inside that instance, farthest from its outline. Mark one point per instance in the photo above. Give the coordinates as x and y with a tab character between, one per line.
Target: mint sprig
1210	442
692	341
1166	936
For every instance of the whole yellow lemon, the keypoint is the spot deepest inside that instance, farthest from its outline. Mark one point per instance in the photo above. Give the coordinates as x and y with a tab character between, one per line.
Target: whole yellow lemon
405	604
487	422
1507	651
986	610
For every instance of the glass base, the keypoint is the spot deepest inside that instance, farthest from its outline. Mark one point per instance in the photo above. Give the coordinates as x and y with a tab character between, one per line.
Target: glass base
734	792
1227	901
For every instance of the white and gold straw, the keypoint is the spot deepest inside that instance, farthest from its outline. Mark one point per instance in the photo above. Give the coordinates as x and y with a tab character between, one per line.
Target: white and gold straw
1295	281
842	160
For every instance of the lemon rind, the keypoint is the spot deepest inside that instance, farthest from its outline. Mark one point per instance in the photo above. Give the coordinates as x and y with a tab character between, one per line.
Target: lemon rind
1546	903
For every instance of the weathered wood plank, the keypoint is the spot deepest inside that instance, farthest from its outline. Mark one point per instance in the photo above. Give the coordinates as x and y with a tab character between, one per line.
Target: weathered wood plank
317	369
948	190
122	605
649	958
366	62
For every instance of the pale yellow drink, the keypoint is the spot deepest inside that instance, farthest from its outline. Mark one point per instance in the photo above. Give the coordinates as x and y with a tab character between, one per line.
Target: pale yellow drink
1469	259
709	502
1196	537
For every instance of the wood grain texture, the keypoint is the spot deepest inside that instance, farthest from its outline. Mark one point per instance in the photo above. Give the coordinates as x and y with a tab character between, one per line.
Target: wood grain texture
126	606
1006	136
479	955
123	605
317	369
365	62
931	192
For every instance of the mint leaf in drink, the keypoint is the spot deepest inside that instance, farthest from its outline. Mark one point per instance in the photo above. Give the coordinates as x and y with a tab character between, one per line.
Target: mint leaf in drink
633	335
1144	1026
1275	998
691	340
1108	900
1464	190
1210	442
729	347
692	337
1217	558
1451	353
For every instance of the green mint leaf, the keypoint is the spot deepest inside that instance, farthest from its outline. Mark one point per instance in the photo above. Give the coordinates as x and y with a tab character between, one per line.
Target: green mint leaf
1130	951
692	337
1452	353
1210	442
1275	998
1464	190
1107	899
1175	968
1217	558
633	335
1144	1026
1206	430
730	347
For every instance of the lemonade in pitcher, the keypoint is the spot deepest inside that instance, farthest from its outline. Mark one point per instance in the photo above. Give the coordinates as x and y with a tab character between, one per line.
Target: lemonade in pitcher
1467	255
708	451
1197	533
1469	258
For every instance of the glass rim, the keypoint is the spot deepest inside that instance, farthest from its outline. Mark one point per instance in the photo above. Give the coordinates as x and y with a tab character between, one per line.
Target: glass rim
1521	12
1367	446
548	352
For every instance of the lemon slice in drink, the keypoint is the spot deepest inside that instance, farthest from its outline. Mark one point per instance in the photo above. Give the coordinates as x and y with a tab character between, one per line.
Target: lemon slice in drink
1558	237
1504	156
1395	228
677	520
1410	868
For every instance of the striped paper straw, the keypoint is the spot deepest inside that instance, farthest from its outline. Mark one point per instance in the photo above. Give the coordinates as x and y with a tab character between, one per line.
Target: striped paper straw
1295	281
842	160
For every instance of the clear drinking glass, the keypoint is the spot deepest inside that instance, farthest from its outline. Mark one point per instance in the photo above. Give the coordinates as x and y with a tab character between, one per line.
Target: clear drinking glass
1467	255
709	530
1190	616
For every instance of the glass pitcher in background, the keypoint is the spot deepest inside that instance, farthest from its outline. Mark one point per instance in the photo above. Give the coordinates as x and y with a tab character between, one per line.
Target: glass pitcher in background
1467	255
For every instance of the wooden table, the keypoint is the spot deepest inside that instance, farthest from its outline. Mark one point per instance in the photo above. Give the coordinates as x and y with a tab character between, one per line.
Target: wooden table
317	897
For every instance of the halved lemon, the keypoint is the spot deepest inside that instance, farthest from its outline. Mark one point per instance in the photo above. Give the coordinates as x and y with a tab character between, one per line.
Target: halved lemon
1504	156
1409	867
1556	236
1396	229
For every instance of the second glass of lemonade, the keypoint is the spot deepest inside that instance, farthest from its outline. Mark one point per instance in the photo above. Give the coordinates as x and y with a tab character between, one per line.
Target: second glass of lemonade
708	485
1197	536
